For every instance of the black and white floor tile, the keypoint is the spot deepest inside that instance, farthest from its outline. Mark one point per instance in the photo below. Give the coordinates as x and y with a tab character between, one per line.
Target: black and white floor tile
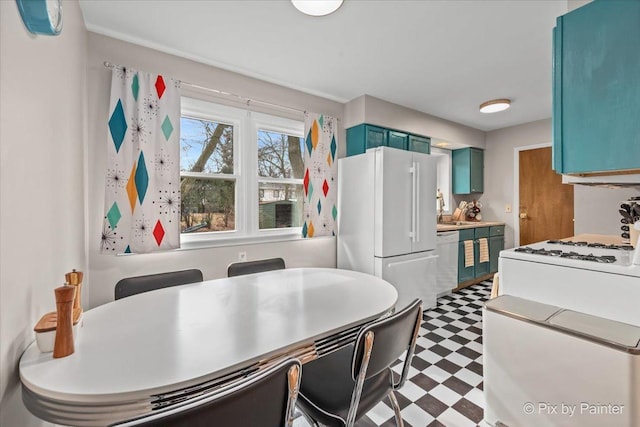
444	386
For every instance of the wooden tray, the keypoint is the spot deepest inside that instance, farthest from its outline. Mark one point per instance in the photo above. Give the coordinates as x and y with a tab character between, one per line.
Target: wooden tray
49	321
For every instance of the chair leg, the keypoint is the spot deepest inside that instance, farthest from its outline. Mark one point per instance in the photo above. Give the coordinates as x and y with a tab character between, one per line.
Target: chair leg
396	409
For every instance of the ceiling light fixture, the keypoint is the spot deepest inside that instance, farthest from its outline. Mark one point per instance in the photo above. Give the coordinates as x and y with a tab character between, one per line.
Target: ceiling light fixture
317	7
495	105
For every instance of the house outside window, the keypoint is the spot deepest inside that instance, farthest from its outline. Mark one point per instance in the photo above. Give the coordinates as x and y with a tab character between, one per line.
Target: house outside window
229	155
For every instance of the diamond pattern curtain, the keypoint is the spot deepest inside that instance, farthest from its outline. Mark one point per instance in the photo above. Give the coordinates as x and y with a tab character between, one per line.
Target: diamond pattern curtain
142	192
320	175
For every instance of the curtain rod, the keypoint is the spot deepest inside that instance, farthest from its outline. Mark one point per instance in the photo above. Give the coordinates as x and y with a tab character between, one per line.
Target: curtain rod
246	100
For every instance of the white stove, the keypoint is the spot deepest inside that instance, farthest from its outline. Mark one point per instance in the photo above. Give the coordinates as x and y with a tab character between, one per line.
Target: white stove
598	279
561	344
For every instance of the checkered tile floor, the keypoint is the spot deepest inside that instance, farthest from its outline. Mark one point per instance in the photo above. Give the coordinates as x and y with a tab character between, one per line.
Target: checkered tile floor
444	387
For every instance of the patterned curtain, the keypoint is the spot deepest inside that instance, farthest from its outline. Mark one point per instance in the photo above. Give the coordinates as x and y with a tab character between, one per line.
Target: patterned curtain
320	175
142	194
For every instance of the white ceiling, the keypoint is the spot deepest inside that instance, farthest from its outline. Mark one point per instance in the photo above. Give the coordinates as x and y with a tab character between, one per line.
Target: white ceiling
440	57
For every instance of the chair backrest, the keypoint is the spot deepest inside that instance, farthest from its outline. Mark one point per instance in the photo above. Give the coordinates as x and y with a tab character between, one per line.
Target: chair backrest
139	284
240	268
392	336
265	399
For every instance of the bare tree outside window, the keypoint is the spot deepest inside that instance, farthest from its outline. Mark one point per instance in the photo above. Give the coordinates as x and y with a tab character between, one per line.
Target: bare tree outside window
280	157
208	204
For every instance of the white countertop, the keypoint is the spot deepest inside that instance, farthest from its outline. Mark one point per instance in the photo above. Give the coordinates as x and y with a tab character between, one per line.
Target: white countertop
175	337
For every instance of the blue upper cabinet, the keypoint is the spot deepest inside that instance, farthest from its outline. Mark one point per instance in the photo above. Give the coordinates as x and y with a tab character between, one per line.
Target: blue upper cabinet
398	140
596	88
468	170
364	136
420	144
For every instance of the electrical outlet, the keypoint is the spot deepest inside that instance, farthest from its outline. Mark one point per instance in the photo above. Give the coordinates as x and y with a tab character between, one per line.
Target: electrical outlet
242	256
507	208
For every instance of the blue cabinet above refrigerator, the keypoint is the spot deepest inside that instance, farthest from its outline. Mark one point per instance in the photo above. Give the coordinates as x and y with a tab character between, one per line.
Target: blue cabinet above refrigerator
365	136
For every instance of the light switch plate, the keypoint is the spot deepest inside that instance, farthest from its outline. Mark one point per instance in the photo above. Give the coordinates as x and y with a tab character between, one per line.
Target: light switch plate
507	208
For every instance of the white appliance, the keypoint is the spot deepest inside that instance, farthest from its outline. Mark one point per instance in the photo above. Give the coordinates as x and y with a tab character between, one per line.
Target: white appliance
387	220
546	366
591	278
564	331
447	251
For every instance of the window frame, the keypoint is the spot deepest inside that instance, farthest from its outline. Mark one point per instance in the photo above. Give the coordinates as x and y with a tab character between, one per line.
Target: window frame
443	181
246	124
265	122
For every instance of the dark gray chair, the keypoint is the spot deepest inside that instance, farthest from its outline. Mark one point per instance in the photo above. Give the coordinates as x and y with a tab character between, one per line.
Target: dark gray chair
240	268
264	399
339	388
139	284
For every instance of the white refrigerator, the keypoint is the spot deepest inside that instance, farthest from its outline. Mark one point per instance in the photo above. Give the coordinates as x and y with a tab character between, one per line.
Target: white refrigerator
387	220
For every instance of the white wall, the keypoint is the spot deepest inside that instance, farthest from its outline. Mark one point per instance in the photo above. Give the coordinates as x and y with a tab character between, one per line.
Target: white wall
499	169
106	270
595	209
42	134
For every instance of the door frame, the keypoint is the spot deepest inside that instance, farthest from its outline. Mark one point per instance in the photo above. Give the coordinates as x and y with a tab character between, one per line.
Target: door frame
516	187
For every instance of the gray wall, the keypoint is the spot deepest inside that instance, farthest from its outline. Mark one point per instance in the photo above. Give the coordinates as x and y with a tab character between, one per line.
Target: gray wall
367	109
42	134
106	270
595	209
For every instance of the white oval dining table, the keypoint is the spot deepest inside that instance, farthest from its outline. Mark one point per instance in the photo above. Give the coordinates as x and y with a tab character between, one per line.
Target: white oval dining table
158	348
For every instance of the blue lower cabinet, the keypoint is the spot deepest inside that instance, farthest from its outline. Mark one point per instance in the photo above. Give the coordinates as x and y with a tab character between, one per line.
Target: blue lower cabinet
464	273
496	244
473	236
482	268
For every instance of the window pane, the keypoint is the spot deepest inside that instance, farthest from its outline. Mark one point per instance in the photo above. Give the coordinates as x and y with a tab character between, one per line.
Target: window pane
280	155
207	205
280	205
205	146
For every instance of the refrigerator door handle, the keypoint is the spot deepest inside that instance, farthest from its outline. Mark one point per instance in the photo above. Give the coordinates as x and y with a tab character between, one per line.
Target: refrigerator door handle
417	204
414	196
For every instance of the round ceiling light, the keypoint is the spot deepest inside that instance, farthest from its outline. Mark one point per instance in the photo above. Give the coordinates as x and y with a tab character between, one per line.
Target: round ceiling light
317	7
495	105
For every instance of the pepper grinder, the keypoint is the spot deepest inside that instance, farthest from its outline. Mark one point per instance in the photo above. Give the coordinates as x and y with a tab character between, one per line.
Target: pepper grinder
63	345
74	278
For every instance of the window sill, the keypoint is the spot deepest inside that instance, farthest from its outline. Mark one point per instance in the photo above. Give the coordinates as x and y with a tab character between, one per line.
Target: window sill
218	242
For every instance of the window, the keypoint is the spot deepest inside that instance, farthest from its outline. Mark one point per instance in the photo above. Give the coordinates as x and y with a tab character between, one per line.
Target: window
443	178
228	157
280	169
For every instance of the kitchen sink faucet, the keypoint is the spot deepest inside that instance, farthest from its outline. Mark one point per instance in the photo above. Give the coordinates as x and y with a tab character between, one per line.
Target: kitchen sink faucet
440	198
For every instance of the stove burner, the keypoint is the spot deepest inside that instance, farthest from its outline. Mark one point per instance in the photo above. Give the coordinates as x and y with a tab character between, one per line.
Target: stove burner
606	259
591	245
528	250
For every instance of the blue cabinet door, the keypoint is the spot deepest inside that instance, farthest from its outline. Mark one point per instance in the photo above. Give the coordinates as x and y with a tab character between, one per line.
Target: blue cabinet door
420	144
464	273
481	268
375	136
468	170
397	140
596	88
496	244
364	136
